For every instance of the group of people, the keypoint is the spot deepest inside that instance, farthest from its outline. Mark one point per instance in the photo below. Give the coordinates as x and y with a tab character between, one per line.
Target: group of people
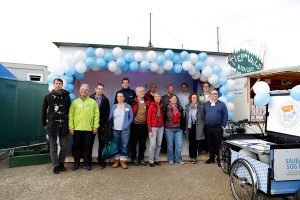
136	116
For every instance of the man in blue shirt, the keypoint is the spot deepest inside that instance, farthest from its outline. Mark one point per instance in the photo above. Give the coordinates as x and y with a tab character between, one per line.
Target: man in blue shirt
216	117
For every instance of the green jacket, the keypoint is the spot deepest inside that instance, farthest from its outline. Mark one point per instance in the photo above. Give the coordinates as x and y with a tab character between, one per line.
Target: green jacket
84	115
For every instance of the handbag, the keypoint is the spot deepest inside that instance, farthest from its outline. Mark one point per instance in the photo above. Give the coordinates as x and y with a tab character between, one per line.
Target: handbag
110	149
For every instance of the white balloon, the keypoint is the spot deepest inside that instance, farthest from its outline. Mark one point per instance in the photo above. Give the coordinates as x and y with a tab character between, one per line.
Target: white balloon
196	76
80	56
230	106
160	70
210	61
186	65
118	72
80	67
168	65
225	71
203	78
223	98
138	56
69	59
58	69
117	52
154	67
192	71
207	71
230	84
151	56
193	58
213	79
261	87
50	87
64	82
112	66
99	52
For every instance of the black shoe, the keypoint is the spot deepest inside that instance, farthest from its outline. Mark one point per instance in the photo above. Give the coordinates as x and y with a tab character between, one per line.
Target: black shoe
75	166
157	163
219	164
102	165
62	167
209	161
151	164
142	162
87	168
135	162
56	170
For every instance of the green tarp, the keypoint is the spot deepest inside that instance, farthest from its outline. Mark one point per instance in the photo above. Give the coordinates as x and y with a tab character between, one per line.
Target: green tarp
20	113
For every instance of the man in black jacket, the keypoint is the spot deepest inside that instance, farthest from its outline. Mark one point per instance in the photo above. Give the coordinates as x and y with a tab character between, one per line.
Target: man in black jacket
55	111
104	109
129	94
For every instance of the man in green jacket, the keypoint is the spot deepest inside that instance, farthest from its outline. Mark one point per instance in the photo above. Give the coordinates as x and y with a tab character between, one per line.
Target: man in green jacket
83	123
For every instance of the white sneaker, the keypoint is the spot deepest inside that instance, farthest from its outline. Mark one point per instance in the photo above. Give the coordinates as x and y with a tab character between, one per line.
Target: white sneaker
181	163
171	162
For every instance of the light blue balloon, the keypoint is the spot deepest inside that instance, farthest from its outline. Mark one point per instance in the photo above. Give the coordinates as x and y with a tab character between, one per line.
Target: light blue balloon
51	78
120	62
176	59
72	96
222	80
262	99
126	67
145	65
69	79
230	96
161	60
90	62
134	66
108	56
177	68
199	65
184	55
202	56
295	92
230	116
69	87
100	62
169	54
90	52
69	70
216	69
129	57
223	90
79	76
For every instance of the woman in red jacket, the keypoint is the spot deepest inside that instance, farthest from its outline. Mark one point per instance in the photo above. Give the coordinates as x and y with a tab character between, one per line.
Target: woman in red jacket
155	120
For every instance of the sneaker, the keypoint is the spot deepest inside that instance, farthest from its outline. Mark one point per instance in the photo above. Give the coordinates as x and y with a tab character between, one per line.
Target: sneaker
75	167
209	161
157	163
151	164
193	160
56	170
181	163
142	162
135	162
62	167
171	162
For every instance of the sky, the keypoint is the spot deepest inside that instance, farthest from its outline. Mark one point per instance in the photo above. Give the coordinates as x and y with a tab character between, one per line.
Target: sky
267	28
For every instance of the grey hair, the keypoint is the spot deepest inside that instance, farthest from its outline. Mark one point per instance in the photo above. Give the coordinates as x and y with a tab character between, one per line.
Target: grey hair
139	88
84	85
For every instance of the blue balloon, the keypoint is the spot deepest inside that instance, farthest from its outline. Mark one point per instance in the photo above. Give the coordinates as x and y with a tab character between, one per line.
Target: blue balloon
230	96
184	55
90	62
223	90
230	116
69	87
199	65
169	54
126	67
100	62
145	65
161	60
177	68
51	78
108	56
69	79
129	57
222	80
134	66
70	70
216	69
202	56
72	96
262	99
176	59
120	62
295	92
79	76
90	52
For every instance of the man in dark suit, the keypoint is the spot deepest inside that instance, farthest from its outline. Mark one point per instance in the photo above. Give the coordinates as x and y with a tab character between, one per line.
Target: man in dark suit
104	109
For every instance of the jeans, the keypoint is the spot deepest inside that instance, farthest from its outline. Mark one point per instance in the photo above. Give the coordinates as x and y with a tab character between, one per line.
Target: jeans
63	142
82	142
122	139
174	135
155	143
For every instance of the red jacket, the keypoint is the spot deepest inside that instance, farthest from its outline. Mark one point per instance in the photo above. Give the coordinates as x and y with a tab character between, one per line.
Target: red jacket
135	105
149	96
151	116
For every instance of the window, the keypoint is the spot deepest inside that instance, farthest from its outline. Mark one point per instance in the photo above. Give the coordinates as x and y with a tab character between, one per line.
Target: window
35	77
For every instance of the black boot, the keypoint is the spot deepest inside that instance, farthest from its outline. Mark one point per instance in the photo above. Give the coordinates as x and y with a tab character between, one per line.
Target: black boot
56	170
62	167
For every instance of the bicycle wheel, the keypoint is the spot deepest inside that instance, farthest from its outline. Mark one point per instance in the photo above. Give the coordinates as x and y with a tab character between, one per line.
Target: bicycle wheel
224	155
243	180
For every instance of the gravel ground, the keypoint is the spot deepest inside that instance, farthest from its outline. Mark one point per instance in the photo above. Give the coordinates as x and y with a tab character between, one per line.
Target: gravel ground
189	181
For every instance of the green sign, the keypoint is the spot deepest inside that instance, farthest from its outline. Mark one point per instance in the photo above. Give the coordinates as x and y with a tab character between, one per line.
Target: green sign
244	61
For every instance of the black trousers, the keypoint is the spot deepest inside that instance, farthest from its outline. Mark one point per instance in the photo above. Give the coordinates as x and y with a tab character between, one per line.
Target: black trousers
83	142
138	134
193	143
101	146
214	138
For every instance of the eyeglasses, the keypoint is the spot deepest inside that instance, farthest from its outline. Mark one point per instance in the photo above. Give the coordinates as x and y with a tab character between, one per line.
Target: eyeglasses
214	94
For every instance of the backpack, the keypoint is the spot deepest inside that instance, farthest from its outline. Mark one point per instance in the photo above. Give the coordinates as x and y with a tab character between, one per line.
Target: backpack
107	131
111	148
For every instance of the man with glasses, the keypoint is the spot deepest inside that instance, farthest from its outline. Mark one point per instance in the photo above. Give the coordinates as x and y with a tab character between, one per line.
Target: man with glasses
216	117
